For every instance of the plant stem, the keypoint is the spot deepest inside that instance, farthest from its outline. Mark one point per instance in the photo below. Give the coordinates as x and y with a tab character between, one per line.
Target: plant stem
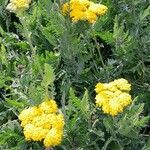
27	35
101	58
107	143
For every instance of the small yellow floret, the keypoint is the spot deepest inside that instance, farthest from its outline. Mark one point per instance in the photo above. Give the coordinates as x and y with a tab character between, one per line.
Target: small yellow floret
28	130
91	16
39	133
58	122
42	121
53	138
98	9
77	15
27	115
48	106
65	8
122	84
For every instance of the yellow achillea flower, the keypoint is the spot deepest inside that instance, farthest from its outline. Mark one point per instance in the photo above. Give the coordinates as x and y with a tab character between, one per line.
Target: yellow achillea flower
35	133
27	115
65	8
48	106
77	15
84	10
53	138
113	97
18	5
98	9
122	84
43	123
91	16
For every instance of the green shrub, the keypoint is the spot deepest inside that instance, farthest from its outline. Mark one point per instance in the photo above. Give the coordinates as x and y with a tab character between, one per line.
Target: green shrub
43	54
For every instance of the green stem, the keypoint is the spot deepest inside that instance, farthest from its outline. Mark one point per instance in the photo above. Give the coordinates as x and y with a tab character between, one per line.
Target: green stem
99	51
101	58
107	143
27	35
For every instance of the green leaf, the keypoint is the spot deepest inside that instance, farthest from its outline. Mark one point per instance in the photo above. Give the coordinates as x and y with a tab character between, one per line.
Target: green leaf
3	56
108	123
1	31
74	102
115	145
85	103
106	36
129	132
142	122
49	75
145	13
14	103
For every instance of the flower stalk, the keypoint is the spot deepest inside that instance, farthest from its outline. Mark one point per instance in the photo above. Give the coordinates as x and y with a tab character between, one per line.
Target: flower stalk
27	35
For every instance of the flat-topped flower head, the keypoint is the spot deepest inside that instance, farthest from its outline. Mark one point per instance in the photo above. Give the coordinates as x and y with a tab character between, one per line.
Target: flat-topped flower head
83	10
27	115
53	138
43	123
113	97
91	17
122	84
34	133
48	106
98	9
18	5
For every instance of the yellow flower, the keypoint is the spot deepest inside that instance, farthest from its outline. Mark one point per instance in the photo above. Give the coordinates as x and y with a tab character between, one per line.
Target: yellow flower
77	15
111	87
115	107
48	106
43	122
100	87
82	3
39	133
28	130
18	5
122	84
124	99
113	97
53	138
100	100
105	86
34	133
27	115
58	122
83	10
65	8
90	16
106	109
98	9
107	94
77	7
117	93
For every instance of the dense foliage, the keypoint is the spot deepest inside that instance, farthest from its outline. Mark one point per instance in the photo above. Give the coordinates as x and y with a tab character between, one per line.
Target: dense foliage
44	54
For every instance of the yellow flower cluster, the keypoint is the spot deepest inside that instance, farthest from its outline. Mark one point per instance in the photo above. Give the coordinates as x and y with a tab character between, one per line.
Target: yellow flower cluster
84	10
43	122
113	97
18	5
